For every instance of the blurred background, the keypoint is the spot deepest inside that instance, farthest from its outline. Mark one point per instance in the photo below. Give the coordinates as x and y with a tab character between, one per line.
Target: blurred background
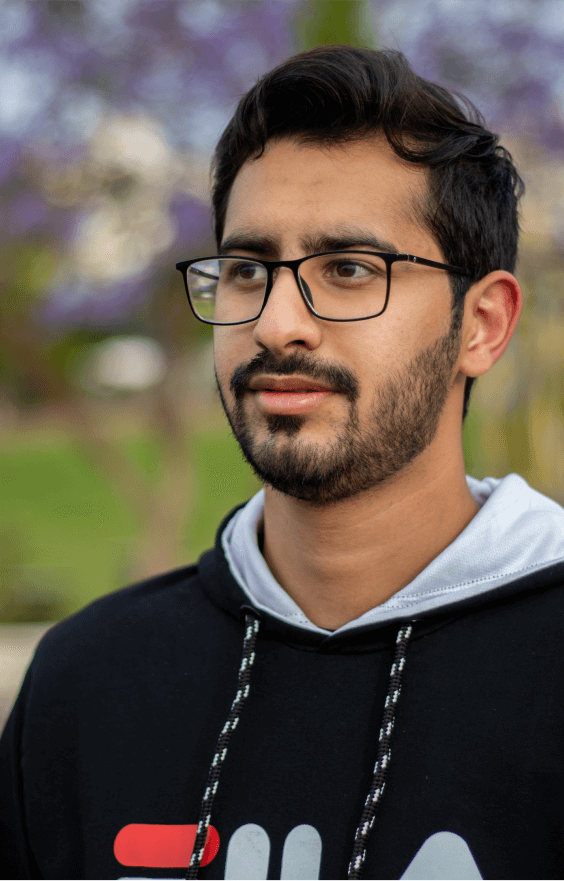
115	459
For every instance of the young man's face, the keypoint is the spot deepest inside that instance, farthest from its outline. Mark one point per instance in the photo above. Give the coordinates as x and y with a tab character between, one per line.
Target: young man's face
384	381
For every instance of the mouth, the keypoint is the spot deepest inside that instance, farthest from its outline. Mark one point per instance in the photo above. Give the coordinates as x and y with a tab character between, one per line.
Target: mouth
288	385
289	396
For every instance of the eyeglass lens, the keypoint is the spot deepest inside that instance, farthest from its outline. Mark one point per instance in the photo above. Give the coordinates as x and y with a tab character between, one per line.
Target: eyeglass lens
339	286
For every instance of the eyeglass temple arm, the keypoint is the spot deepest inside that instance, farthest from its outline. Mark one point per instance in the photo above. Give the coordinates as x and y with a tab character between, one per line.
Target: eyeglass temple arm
411	259
203	274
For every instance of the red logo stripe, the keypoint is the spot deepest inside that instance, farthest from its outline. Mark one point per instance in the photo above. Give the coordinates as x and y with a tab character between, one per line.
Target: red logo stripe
161	847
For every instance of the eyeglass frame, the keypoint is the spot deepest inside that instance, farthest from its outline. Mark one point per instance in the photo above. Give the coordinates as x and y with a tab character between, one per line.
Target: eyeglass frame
271	265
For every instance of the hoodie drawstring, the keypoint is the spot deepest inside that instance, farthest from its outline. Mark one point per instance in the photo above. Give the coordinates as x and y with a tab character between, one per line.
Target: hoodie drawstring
252	624
383	757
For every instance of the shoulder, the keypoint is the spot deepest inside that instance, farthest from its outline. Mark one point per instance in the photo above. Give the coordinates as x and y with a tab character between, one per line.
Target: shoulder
125	623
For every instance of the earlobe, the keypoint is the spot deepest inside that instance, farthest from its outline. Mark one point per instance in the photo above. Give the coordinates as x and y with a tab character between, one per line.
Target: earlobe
492	309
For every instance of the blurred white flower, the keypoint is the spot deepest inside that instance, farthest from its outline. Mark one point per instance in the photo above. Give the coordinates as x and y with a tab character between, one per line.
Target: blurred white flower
119	241
134	144
128	363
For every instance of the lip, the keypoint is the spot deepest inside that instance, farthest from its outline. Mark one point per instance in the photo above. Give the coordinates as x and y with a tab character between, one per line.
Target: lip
291	402
289	395
289	384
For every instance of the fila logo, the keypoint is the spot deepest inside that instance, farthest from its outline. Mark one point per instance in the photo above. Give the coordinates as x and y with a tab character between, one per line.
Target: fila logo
248	851
157	846
443	855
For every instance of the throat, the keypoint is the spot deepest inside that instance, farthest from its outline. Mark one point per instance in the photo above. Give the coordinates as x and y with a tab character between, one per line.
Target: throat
337	568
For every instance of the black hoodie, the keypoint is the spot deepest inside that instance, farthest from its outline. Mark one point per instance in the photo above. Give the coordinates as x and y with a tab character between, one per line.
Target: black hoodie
105	759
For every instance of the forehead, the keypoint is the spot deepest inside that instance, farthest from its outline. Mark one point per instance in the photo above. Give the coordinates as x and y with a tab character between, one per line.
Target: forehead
295	188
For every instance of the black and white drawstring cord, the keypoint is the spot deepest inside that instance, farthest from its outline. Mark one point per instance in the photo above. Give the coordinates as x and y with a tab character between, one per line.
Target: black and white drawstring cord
383	757
252	625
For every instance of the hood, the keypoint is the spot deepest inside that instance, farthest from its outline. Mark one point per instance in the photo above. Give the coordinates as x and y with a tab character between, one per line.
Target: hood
517	533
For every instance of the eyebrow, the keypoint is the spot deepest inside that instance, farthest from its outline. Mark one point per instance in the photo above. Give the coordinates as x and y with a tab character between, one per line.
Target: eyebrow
339	239
263	246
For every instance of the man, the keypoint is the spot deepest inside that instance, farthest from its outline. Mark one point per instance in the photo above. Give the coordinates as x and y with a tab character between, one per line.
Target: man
398	709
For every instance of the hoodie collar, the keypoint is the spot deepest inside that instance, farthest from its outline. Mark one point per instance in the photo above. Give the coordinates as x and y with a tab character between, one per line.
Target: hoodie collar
517	532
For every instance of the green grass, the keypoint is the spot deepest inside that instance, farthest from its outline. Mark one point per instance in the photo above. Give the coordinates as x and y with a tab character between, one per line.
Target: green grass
65	537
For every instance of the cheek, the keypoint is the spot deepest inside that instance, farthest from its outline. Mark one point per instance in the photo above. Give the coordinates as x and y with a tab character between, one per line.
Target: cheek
371	350
229	351
219	350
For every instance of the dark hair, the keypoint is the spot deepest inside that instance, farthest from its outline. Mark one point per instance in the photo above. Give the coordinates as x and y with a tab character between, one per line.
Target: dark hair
335	94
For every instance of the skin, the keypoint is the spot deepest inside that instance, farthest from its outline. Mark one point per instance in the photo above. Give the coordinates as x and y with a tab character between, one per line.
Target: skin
340	557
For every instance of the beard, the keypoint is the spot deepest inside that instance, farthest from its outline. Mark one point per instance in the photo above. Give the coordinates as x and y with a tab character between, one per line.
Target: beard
403	419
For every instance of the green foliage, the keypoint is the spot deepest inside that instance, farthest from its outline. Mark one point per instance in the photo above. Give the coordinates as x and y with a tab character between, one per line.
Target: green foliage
471	442
66	539
26	267
325	22
66	352
225	481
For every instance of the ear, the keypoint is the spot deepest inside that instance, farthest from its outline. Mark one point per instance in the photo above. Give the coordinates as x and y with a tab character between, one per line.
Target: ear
491	312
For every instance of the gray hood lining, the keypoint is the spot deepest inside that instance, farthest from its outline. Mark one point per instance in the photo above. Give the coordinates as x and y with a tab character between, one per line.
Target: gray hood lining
517	531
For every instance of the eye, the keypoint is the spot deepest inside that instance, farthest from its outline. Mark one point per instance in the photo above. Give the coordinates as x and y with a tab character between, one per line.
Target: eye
351	270
372	268
245	271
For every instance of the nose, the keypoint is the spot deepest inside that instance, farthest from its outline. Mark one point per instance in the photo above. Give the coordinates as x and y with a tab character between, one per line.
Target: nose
286	321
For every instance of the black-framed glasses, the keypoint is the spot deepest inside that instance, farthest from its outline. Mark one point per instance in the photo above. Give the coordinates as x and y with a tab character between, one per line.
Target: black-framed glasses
344	285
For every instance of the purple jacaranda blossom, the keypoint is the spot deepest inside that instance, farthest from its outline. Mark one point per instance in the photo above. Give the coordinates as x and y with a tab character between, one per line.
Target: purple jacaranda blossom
68	69
79	303
161	57
192	219
28	211
10	151
506	56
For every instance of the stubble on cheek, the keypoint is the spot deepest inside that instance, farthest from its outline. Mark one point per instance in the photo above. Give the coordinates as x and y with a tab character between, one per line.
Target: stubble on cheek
353	454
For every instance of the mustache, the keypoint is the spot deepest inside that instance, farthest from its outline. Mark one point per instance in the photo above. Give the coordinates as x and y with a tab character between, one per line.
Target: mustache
338	377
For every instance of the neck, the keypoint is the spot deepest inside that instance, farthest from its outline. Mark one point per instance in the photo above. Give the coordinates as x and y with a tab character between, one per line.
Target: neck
338	561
